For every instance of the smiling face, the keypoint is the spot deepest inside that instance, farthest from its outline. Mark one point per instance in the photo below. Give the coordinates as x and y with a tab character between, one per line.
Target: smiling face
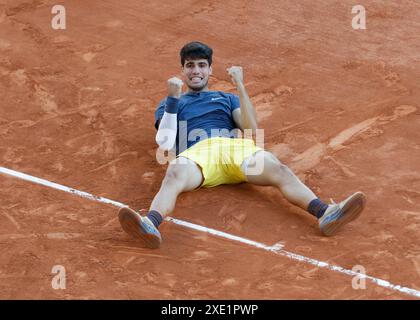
197	73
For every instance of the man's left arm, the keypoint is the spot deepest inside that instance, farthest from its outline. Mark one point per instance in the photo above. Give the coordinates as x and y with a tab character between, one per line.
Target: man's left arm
245	116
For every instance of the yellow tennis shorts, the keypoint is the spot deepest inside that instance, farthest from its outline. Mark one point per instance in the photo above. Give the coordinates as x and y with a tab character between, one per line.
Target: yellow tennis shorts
220	159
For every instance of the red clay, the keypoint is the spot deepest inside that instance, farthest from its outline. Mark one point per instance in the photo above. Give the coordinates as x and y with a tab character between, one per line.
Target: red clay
339	106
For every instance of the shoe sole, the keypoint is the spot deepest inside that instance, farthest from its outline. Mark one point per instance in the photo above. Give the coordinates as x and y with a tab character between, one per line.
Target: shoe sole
350	211
131	223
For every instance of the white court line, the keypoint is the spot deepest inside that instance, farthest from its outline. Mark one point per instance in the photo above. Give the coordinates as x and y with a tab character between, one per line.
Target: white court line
89	196
276	248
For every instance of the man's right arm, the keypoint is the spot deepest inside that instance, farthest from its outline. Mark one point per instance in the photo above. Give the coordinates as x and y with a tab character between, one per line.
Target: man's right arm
167	131
166	135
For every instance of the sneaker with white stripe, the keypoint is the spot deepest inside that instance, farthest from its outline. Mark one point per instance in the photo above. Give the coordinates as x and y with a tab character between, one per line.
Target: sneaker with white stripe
139	227
342	213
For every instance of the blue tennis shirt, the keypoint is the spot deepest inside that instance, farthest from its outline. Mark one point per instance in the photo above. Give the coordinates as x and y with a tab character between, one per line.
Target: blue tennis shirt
202	115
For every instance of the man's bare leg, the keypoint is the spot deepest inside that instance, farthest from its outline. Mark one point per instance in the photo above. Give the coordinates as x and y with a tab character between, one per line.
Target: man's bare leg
182	175
274	173
277	174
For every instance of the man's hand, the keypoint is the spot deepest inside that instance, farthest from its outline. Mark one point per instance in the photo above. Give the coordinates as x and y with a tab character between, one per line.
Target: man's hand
175	87
248	116
236	74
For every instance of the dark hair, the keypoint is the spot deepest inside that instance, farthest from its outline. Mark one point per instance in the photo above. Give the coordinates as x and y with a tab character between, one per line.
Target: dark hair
196	50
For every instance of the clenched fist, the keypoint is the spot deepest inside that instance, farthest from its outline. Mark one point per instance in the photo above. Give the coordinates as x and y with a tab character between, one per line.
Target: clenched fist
175	87
236	74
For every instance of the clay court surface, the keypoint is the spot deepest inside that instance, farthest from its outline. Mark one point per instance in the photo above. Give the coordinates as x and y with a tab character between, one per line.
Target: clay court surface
341	107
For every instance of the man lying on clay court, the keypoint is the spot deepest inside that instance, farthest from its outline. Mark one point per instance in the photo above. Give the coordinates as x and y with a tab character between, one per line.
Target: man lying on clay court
202	126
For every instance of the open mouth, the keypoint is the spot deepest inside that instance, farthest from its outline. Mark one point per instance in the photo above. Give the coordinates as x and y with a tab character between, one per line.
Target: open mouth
196	79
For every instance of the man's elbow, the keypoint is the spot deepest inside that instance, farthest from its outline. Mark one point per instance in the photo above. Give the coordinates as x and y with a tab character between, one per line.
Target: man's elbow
250	129
165	139
165	146
252	125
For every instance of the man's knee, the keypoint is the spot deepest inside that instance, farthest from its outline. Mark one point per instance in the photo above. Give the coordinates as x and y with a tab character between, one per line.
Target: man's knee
274	167
176	175
262	162
182	175
281	172
271	159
